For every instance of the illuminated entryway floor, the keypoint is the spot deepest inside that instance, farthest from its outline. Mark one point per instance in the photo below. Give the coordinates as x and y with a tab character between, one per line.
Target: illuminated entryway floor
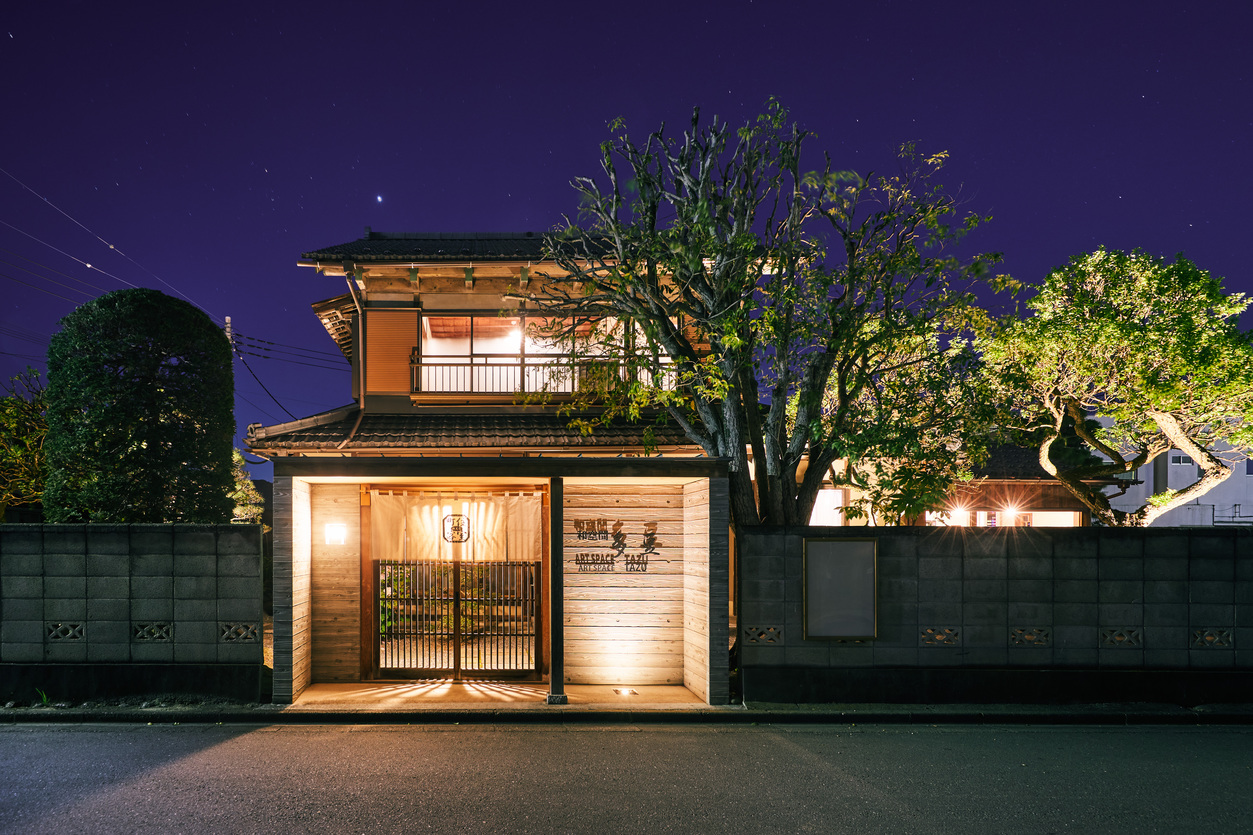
419	695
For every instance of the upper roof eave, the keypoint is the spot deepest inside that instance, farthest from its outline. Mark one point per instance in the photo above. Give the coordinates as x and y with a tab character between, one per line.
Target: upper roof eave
431	248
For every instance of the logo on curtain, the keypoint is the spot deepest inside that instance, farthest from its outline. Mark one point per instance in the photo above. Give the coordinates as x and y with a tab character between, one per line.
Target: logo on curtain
456	527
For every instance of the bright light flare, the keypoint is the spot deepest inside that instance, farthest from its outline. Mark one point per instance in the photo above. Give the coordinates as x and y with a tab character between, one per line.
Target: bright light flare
336	533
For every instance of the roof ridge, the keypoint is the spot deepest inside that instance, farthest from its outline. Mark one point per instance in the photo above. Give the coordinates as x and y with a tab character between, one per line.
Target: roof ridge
449	236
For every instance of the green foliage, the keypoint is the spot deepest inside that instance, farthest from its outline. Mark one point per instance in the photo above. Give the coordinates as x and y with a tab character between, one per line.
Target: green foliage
916	428
762	307
249	505
23	429
1152	349
140	422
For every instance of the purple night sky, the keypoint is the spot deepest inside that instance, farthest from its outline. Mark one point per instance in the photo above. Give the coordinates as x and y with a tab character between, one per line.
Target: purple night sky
211	147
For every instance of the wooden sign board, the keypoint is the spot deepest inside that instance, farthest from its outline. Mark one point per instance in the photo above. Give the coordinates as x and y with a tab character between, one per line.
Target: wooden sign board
840	588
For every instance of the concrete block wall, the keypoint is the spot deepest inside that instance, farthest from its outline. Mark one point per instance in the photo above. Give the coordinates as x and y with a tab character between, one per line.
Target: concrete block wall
174	594
1083	599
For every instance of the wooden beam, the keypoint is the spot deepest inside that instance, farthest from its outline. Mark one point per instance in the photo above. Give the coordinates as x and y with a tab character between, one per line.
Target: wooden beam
556	599
369	657
532	467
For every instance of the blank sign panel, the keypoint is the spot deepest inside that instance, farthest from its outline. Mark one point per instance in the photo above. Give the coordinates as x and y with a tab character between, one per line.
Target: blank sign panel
840	588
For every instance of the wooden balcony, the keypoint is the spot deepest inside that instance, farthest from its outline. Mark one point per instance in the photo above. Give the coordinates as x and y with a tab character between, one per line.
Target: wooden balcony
506	377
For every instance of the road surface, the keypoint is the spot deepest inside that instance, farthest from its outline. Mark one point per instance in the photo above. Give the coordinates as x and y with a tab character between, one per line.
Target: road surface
646	779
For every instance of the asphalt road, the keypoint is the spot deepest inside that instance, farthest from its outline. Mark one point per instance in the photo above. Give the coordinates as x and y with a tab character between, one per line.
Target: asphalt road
655	779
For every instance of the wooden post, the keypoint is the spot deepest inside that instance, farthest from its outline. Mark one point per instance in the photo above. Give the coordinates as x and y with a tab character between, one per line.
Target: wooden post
369	660
556	601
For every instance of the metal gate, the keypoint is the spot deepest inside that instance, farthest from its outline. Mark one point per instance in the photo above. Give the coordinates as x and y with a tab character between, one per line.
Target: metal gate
451	619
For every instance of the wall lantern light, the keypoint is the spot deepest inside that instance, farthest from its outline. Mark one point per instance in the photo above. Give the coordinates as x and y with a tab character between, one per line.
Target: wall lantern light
336	533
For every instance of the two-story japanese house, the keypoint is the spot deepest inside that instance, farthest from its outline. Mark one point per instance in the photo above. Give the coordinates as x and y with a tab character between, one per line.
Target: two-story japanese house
442	526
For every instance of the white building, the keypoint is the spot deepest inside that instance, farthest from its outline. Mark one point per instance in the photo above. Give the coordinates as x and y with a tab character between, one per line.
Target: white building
1230	503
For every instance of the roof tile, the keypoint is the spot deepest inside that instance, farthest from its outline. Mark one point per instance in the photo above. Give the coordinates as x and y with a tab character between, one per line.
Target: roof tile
445	246
464	431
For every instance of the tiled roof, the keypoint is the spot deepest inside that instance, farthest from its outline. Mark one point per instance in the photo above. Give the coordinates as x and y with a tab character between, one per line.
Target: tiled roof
1015	463
446	246
1012	462
453	431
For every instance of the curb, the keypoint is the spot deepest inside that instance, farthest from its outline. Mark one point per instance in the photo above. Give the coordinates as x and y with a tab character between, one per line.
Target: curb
1111	715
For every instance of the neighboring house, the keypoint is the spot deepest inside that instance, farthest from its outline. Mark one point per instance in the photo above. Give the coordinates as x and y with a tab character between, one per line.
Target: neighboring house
439	526
1230	503
1009	490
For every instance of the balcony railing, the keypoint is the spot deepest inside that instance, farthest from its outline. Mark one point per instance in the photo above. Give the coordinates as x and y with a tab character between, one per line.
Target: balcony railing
501	374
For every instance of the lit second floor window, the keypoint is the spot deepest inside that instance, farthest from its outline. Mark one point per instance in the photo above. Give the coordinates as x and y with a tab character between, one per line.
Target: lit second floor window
492	354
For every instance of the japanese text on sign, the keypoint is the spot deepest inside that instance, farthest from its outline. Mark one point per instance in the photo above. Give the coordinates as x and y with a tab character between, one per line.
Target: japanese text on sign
619	550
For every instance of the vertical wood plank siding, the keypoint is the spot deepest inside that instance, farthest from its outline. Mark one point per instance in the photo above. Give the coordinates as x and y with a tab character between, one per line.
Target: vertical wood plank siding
299	614
696	649
281	691
335	587
390	337
624	627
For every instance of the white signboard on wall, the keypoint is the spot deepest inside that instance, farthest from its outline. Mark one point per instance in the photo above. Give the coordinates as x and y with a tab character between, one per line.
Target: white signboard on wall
840	588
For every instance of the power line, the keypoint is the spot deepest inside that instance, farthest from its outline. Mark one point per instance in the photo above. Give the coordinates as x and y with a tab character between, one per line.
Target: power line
295	352
24	333
263	388
255	406
52	269
307	355
294	362
45	278
40	289
334	354
103	241
60	251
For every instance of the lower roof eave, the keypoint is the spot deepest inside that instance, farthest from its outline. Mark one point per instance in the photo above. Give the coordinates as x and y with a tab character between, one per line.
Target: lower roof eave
478	452
529	466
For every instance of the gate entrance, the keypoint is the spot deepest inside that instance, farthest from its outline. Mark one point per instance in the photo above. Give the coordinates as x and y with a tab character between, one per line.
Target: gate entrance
459	620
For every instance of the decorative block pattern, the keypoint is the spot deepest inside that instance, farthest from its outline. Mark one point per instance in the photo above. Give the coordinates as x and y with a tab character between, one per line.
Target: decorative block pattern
160	631
1031	636
235	633
1124	637
763	634
65	631
1213	639
117	594
1077	601
940	636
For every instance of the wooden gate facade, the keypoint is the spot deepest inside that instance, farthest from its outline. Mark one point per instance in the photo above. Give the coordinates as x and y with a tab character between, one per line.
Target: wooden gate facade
448	619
